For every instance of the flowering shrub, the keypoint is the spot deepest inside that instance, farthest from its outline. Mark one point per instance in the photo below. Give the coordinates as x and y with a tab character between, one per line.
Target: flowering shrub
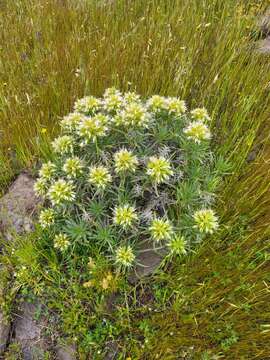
127	172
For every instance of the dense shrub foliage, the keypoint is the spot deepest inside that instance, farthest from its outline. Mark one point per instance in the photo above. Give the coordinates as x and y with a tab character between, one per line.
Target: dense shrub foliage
128	172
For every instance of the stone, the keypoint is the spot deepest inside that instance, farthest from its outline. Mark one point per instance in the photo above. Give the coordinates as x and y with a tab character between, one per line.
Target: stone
18	206
4	333
112	350
16	210
264	46
111	302
253	154
29	333
264	23
105	3
65	352
148	261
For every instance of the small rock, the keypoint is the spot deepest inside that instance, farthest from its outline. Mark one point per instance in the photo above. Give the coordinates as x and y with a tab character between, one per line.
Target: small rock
264	23
17	207
264	46
105	3
254	153
148	260
111	302
28	332
4	332
65	352
112	350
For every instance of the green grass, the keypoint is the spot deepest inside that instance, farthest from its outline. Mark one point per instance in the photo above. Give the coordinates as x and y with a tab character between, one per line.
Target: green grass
224	284
52	52
200	52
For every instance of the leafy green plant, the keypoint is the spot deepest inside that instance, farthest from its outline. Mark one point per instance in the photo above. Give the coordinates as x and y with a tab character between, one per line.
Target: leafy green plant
128	171
14	352
224	334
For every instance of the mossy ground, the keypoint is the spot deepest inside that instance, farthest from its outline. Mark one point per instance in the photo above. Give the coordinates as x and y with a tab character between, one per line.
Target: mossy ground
215	303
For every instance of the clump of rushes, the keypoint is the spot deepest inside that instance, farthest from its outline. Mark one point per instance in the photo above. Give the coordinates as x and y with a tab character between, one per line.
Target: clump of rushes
110	156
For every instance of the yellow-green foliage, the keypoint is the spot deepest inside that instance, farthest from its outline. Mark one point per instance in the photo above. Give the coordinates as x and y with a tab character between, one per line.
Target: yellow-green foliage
53	52
223	290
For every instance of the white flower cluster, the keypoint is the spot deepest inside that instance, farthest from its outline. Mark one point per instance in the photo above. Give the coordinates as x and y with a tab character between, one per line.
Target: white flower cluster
93	118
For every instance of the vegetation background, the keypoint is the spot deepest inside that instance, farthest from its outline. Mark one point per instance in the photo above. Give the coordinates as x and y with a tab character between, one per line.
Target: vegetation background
55	51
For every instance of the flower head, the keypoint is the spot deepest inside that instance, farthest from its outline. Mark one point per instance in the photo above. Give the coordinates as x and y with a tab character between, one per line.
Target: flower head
161	229
87	105
71	121
91	263
63	144
47	170
47	218
112	91
107	281
125	161
159	169
200	114
112	99
99	176
131	97
176	106
197	131
61	242
41	187
177	245
124	256
134	115
124	215
93	127
61	191
206	220
88	284
73	167
157	103
102	119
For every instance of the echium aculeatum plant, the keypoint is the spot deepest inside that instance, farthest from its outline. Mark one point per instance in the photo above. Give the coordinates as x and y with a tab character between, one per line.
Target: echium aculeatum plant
128	171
